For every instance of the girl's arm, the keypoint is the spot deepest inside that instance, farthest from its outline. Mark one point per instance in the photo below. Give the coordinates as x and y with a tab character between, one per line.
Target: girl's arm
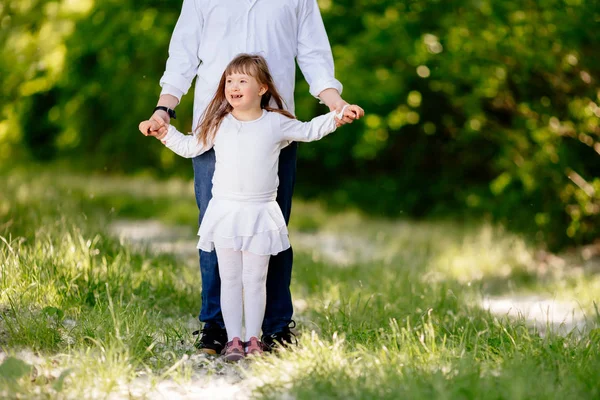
315	129
186	146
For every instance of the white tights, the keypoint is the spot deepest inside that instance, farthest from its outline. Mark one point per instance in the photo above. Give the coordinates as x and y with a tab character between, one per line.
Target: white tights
240	269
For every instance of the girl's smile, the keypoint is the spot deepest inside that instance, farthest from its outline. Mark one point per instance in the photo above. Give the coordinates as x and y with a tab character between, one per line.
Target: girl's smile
243	92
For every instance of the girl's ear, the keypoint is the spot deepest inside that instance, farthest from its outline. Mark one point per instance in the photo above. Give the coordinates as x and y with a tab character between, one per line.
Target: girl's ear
263	89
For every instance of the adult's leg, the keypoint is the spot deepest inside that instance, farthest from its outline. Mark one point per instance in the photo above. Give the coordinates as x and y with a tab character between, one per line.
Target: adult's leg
230	272
254	277
210	313
279	310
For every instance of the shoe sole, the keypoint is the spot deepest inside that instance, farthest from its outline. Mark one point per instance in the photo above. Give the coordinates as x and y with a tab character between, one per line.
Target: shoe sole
234	357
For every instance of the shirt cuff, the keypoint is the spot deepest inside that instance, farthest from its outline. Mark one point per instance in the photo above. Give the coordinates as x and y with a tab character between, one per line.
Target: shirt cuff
171	132
175	81
172	90
317	87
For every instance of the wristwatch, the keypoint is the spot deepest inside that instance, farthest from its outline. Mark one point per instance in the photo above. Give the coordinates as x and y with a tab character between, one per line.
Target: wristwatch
169	111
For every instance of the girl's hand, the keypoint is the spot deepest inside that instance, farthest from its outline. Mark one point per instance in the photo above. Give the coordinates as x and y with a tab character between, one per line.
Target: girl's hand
351	113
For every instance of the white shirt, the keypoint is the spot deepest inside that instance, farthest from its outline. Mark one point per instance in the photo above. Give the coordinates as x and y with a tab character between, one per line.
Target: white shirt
210	33
247	152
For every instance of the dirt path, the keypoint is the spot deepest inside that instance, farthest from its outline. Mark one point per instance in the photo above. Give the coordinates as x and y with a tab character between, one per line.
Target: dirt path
545	314
541	311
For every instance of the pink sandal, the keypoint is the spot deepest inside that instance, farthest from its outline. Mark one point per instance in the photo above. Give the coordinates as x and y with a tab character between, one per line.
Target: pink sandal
254	347
234	350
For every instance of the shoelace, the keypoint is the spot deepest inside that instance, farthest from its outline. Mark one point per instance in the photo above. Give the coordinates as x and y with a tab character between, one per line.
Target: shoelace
287	333
292	323
204	331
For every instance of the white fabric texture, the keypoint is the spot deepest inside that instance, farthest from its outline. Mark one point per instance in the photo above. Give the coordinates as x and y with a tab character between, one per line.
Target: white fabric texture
248	226
254	282
210	33
243	214
243	288
230	272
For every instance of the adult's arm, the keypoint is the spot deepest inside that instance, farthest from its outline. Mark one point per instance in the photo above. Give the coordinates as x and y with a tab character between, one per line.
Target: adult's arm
316	59
183	62
314	52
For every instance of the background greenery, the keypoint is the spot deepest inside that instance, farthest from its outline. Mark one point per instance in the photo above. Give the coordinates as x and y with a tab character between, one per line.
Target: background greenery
474	107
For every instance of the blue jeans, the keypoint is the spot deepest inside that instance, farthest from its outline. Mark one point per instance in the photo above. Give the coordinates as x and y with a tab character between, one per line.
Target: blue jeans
278	313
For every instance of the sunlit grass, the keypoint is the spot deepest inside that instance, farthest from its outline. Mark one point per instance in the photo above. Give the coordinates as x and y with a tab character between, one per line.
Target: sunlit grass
68	289
481	255
398	317
422	362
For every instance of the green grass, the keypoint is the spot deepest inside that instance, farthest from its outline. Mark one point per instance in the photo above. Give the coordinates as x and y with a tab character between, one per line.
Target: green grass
83	315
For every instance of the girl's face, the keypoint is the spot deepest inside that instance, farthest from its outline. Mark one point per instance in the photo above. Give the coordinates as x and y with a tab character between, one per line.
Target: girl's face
243	91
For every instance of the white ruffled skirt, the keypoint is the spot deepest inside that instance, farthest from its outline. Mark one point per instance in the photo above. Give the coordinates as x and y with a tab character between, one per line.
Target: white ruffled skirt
255	227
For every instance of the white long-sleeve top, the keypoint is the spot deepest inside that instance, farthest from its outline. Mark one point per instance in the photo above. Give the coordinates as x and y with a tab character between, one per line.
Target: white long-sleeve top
210	33
247	152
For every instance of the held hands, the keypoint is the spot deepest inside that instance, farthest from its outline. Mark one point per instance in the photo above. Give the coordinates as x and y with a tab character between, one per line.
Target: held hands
349	113
156	127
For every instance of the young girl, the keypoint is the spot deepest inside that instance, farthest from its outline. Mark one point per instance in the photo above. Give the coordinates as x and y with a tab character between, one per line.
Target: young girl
243	222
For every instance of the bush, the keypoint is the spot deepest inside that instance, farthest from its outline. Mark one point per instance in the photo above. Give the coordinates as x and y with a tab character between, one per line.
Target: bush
478	108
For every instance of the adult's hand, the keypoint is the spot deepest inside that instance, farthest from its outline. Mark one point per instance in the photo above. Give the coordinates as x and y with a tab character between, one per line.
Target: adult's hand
166	100
162	118
331	97
351	112
155	127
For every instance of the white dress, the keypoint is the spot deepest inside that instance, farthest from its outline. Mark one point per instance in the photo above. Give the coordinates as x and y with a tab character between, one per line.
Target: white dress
243	214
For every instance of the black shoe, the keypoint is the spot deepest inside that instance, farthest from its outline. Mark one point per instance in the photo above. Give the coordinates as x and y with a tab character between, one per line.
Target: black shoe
212	341
283	338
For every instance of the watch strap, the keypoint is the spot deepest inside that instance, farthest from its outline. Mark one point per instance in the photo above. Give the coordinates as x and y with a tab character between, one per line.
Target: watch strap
168	110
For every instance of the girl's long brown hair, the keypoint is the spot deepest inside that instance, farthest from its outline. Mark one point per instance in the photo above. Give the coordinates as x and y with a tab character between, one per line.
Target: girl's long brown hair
254	66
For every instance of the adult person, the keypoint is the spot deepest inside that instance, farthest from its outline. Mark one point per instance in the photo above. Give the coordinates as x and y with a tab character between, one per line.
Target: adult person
207	36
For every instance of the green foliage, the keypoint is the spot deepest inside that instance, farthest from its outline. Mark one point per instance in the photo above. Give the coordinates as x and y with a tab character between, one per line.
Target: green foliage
489	107
473	107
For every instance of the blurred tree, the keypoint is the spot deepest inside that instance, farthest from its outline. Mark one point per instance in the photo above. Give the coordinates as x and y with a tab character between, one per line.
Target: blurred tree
111	83
473	106
39	131
482	106
32	55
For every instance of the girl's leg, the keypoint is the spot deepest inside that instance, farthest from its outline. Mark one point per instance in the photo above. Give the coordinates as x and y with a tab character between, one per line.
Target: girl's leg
230	270
254	276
